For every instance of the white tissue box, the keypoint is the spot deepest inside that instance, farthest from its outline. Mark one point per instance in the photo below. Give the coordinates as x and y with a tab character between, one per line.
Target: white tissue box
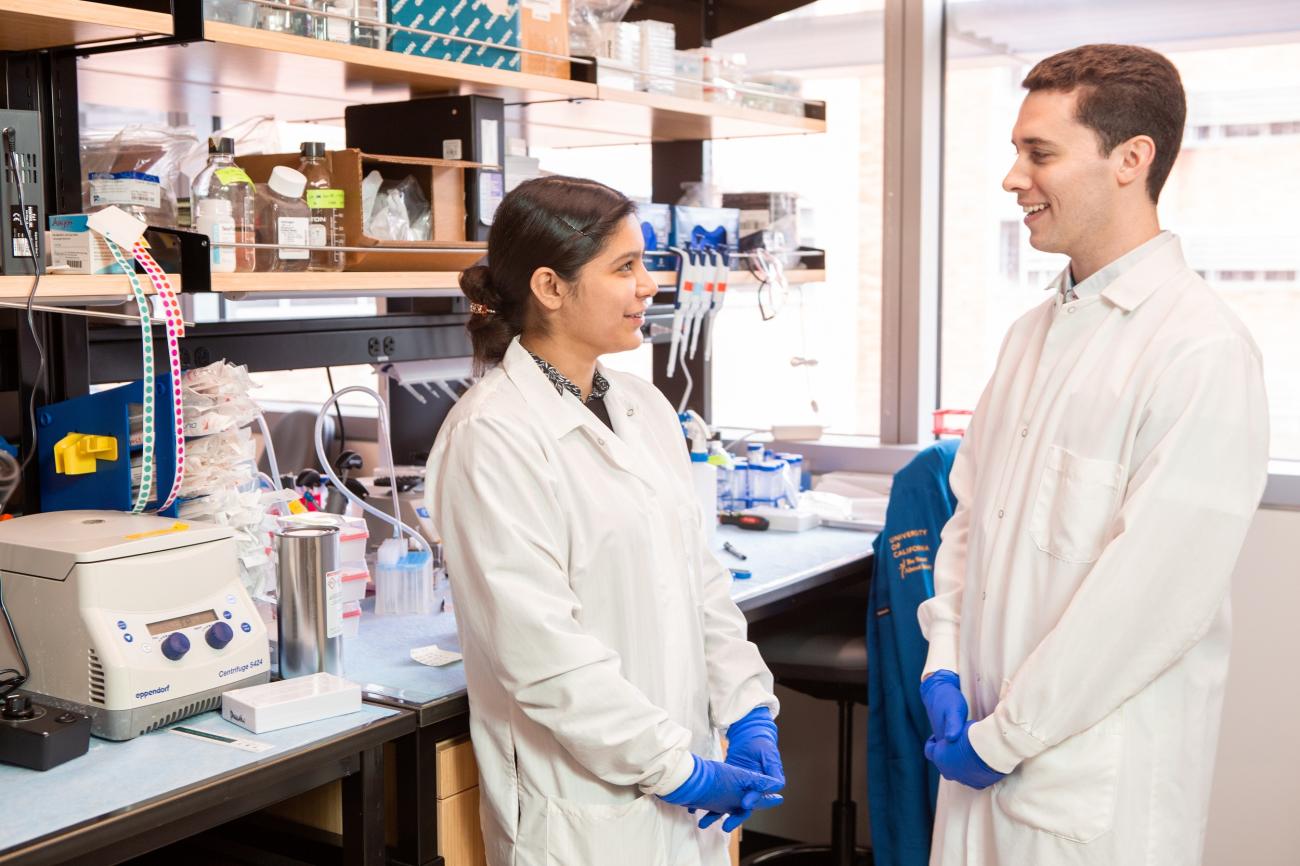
785	519
283	704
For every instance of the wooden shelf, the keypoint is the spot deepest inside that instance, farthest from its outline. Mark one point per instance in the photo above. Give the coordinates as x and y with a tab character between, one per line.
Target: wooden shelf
29	25
297	78
69	288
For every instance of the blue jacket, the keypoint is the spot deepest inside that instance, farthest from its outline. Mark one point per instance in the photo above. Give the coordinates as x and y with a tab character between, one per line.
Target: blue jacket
901	785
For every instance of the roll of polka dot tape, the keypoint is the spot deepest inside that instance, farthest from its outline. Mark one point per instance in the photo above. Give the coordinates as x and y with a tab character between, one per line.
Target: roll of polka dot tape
175	330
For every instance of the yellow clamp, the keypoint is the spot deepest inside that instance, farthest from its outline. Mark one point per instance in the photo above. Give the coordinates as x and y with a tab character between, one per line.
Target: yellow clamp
76	453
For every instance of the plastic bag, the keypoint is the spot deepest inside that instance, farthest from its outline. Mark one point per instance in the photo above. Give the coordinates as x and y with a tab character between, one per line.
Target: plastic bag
586	18
138	169
396	210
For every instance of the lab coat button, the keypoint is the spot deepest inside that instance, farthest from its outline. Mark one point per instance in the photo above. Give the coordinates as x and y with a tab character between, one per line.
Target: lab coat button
1000	513
630	411
1072	309
600	442
1024	431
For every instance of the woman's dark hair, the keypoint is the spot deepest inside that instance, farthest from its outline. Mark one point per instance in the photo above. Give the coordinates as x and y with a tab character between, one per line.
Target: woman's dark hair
548	222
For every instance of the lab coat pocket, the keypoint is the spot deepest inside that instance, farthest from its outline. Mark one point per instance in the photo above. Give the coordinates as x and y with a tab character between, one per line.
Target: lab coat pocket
625	833
1069	790
1075	505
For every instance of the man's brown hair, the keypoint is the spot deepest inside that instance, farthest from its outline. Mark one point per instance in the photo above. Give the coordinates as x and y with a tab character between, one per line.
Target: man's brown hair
1124	91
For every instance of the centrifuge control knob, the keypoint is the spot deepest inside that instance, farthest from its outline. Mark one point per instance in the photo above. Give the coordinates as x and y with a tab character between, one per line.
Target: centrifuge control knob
175	645
218	635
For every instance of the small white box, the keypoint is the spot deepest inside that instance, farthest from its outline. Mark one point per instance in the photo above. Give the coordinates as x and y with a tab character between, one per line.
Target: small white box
352	539
75	249
353	578
785	519
283	704
351	619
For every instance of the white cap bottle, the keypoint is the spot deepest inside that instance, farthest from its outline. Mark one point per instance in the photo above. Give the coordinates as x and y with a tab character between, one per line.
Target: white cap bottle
287	182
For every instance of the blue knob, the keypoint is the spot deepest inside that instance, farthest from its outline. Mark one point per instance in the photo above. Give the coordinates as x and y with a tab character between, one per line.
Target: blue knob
219	635
175	645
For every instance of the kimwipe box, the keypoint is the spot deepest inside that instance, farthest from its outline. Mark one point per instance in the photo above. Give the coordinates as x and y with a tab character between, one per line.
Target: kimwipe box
443	183
495	22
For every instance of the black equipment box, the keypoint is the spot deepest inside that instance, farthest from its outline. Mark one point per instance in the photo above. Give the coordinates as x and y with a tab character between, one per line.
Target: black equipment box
443	127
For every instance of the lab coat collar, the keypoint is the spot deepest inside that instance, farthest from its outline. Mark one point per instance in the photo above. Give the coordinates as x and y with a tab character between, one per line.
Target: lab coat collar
559	413
1131	288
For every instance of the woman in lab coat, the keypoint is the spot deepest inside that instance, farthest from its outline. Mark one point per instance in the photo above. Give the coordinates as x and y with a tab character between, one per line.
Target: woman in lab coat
603	652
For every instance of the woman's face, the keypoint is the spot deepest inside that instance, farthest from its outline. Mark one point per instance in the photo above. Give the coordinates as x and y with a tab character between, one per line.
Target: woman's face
604	309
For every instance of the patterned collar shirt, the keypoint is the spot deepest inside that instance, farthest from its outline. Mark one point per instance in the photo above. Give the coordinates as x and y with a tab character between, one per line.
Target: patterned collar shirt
595	400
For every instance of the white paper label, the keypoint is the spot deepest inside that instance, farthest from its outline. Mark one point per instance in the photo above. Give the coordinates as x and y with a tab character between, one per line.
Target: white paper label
542	10
127	191
452	149
333	603
491	190
488	131
291	230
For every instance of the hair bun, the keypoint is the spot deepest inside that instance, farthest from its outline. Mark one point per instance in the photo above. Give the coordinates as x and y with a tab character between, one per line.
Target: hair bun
476	283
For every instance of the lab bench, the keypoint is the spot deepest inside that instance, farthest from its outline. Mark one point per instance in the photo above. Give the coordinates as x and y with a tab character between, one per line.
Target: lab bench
123	799
408	747
435	777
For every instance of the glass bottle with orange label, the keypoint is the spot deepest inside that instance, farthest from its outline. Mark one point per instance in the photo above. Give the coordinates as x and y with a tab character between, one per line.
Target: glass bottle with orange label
326	204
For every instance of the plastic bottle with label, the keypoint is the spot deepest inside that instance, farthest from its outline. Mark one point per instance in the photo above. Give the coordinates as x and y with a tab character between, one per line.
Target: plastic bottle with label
326	204
282	219
222	180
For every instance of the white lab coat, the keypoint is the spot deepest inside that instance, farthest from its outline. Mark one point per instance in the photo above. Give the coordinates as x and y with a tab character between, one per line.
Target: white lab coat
601	643
1105	488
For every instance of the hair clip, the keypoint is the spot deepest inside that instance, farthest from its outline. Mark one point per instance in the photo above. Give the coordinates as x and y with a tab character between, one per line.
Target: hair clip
572	226
481	310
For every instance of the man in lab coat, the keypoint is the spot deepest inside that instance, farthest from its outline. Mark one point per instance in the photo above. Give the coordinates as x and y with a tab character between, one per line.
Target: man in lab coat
1080	627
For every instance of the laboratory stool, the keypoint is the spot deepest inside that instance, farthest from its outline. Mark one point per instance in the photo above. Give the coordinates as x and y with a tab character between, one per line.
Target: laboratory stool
824	656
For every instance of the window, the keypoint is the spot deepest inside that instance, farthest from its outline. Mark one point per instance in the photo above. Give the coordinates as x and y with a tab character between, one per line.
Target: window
818	360
1243	101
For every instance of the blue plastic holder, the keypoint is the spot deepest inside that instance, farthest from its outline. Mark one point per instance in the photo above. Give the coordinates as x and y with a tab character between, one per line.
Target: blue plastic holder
657	230
107	413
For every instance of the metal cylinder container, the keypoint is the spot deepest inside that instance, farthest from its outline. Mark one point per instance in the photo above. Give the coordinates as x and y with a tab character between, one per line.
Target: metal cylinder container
311	604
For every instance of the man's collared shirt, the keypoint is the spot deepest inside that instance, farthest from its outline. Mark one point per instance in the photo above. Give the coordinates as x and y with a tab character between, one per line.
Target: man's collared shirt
1098	282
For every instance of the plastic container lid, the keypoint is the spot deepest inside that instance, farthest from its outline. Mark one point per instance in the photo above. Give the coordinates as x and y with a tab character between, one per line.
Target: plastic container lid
699	457
288	182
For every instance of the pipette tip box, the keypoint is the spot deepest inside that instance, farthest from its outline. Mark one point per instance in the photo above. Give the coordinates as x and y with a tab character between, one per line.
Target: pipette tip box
296	701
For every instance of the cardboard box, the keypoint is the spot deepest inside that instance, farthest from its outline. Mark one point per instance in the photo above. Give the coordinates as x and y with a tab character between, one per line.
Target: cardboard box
75	249
443	183
490	21
544	26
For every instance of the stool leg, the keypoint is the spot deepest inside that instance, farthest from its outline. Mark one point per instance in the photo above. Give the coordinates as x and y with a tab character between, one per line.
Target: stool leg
844	810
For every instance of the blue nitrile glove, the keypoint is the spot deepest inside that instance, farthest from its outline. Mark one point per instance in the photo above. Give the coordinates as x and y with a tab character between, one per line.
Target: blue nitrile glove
958	762
751	745
717	787
944	704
